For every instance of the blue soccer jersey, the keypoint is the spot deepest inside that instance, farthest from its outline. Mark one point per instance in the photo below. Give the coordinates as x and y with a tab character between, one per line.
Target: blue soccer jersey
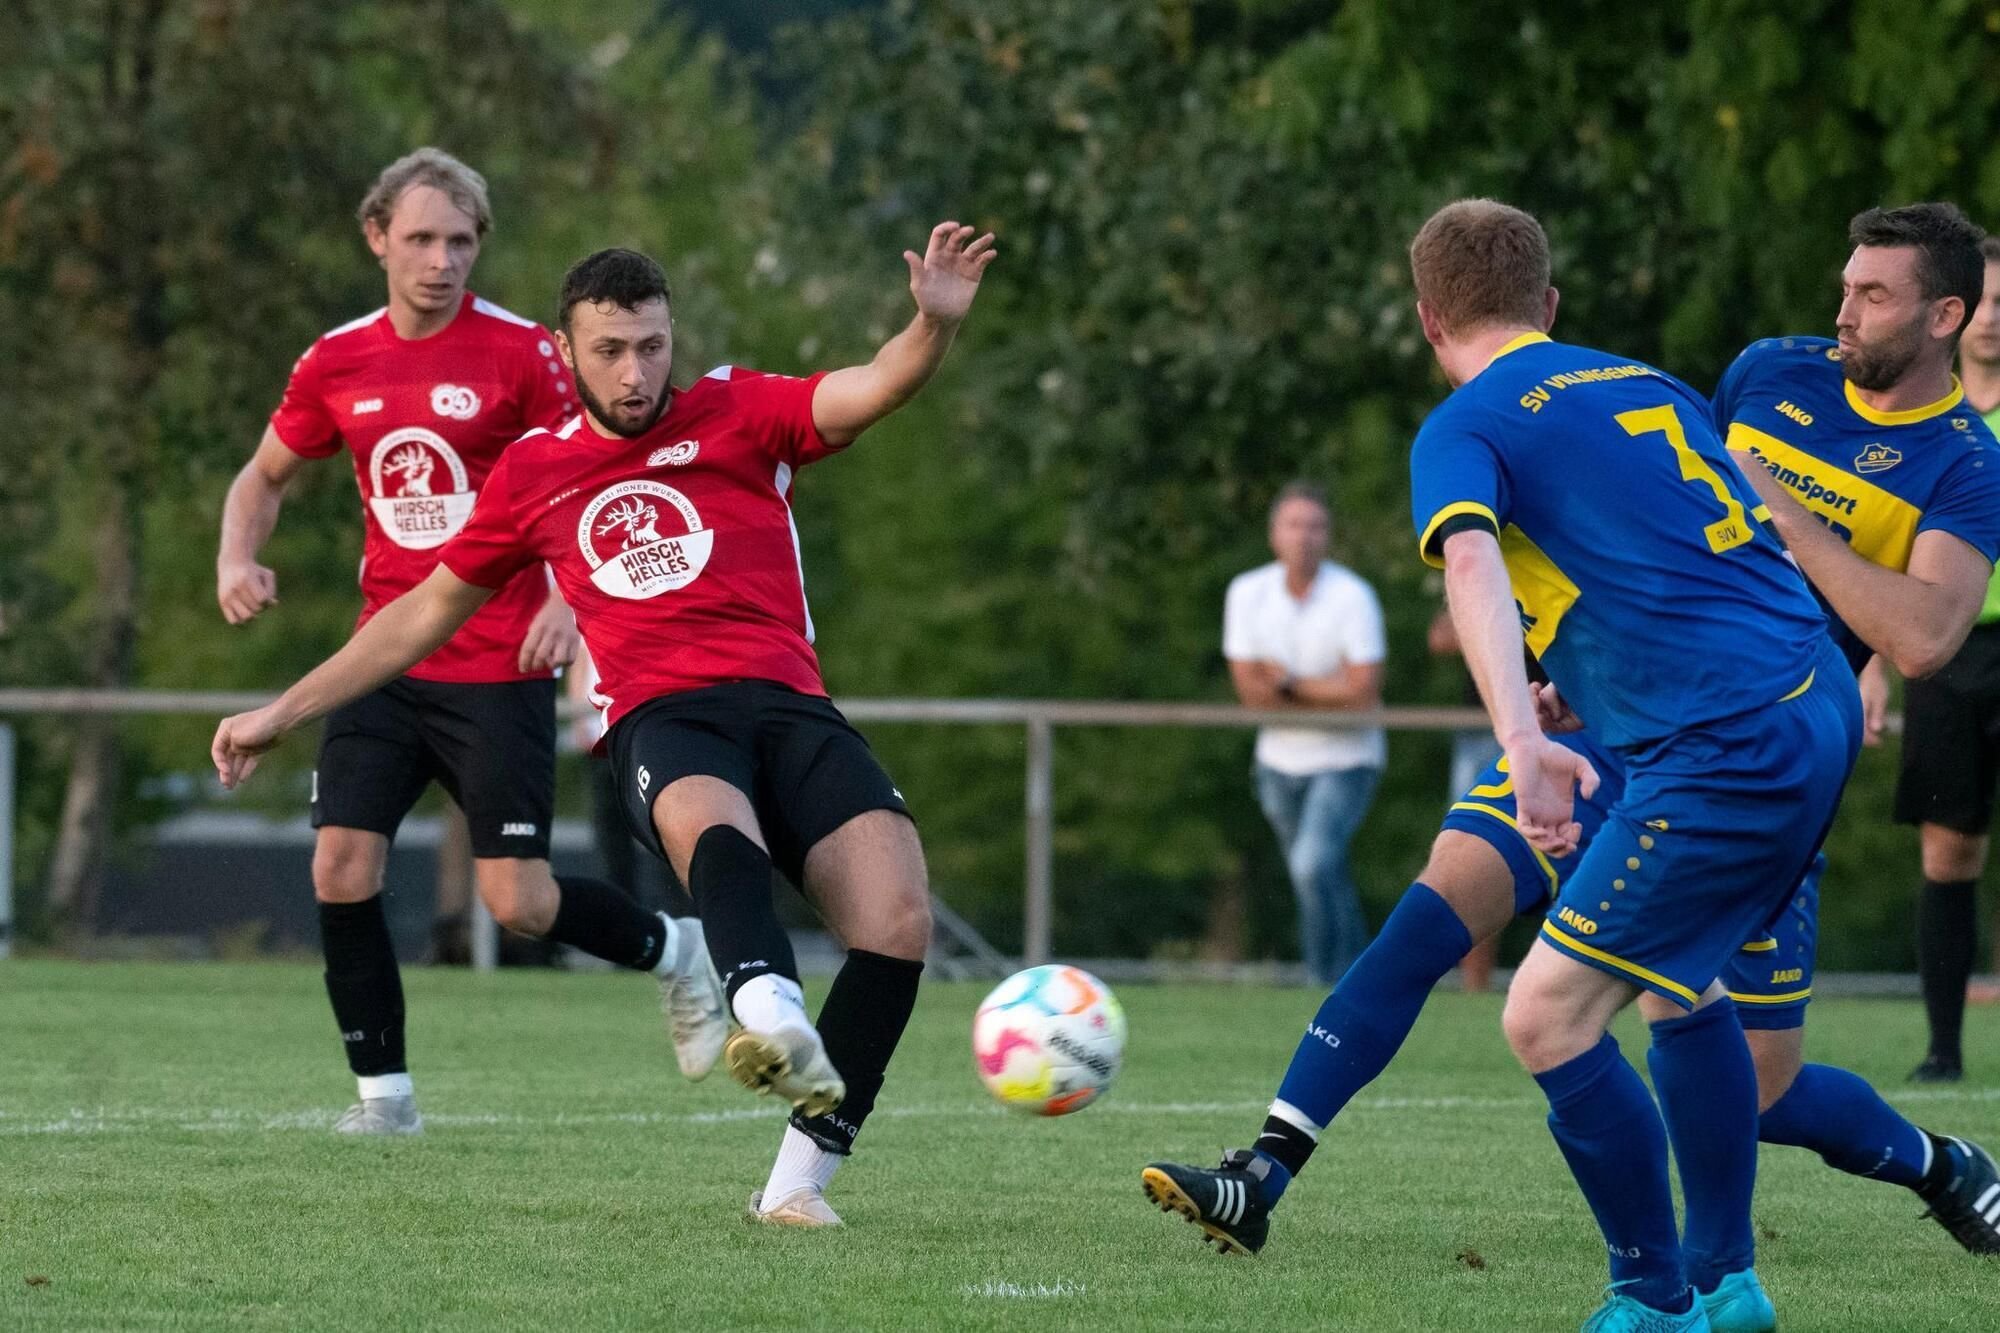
1876	479
1646	588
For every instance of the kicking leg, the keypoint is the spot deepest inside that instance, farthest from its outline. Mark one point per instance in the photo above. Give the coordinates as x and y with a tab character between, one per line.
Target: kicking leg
1467	892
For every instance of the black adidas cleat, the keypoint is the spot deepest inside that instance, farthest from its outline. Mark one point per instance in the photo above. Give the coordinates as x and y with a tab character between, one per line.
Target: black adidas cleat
1936	1069
1968	1203
1227	1203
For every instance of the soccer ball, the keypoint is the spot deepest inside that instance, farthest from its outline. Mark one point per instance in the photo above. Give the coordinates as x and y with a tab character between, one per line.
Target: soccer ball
1048	1040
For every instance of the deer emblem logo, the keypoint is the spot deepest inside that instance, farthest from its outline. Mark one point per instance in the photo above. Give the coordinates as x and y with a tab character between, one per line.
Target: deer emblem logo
638	520
412	465
618	534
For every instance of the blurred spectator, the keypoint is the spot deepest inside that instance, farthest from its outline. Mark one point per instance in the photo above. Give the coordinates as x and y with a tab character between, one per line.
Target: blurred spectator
626	864
1472	751
1951	755
1303	632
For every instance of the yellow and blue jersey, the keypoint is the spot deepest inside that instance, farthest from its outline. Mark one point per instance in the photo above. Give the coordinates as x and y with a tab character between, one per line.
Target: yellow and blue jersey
1647	589
1875	479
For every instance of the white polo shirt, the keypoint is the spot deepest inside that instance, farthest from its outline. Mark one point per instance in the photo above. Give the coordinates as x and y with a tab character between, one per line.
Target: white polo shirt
1337	624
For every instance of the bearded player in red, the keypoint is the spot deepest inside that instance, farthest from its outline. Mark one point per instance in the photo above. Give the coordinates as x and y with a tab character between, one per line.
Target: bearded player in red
426	394
666	518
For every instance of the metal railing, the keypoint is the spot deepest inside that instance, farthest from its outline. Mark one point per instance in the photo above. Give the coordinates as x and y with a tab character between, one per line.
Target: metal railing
1038	717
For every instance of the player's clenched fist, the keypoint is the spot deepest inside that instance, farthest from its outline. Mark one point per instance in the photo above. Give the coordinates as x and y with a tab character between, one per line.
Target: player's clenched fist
240	741
243	588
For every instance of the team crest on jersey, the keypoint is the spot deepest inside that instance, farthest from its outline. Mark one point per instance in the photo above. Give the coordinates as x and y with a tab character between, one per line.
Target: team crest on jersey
674	455
419	491
454	401
1877	458
642	539
1961	423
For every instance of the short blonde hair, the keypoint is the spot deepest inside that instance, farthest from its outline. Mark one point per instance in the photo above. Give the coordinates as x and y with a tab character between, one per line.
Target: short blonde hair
439	170
1479	262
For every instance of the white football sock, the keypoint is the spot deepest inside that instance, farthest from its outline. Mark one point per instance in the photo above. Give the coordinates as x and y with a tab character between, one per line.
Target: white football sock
768	1002
374	1086
801	1162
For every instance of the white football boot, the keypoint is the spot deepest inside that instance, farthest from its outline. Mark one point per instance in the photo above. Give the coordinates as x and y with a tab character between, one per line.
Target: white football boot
381	1115
691	998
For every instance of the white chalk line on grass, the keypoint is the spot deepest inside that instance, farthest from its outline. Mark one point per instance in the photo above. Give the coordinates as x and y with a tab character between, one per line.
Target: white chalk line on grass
995	1289
226	1120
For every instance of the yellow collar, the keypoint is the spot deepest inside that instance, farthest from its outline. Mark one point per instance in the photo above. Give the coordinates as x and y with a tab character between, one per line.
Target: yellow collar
1905	417
1520	342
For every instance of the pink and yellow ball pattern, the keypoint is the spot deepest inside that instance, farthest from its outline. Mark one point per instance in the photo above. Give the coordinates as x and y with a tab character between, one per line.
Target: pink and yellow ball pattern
1048	1040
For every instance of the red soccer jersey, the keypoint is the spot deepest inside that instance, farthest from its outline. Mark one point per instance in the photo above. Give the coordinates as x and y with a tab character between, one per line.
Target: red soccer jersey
676	549
426	421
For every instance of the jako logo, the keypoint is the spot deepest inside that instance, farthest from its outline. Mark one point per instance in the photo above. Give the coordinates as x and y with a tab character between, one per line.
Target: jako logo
1569	916
1795	412
364	406
454	401
1325	1035
1781	975
517	830
674	455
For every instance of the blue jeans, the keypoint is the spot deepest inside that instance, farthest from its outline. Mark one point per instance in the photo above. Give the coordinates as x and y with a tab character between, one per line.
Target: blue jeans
1315	816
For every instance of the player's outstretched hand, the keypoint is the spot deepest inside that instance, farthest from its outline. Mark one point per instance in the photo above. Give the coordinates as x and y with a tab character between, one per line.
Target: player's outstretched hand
240	741
243	588
1874	702
1547	778
552	639
945	278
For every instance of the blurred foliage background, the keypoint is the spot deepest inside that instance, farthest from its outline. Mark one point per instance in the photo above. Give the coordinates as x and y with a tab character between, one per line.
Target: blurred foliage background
1202	205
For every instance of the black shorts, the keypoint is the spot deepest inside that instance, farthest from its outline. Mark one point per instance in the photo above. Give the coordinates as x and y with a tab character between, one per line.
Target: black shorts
493	746
1951	739
804	768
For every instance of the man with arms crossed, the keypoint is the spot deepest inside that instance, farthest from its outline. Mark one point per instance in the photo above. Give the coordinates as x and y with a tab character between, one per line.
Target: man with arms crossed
1639	578
666	518
426	393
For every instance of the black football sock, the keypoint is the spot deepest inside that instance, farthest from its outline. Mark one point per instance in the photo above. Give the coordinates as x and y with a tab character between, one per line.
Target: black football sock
365	985
1286	1144
730	878
866	1010
598	919
1947	924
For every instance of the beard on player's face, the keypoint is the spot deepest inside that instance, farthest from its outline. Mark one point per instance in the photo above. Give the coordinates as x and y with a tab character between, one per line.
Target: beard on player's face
623	416
1879	362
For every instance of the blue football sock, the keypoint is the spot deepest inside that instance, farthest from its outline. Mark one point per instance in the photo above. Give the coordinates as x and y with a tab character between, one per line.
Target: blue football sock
1363	1023
1609	1131
1707	1086
1847	1123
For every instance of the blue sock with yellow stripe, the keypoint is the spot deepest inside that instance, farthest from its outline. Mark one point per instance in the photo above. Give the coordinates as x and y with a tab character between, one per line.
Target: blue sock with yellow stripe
1363	1023
1609	1131
1840	1117
1707	1085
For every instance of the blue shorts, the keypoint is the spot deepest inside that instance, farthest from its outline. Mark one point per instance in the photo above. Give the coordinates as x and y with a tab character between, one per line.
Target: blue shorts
1711	841
1771	977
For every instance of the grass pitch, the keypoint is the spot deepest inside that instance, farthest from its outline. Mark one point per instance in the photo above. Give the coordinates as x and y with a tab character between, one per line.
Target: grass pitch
167	1165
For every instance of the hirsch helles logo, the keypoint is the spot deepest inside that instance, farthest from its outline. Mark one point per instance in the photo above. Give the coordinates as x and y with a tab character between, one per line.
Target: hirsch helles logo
629	556
454	401
420	494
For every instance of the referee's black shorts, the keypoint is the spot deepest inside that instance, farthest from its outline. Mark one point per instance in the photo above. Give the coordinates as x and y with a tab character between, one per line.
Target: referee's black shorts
492	746
804	768
1951	739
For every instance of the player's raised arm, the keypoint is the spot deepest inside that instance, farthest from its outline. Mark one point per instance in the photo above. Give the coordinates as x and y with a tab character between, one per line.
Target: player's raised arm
1488	626
943	281
243	586
396	638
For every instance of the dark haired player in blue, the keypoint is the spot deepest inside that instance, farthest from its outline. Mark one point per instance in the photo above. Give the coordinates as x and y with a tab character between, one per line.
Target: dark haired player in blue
1583	501
1481	871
